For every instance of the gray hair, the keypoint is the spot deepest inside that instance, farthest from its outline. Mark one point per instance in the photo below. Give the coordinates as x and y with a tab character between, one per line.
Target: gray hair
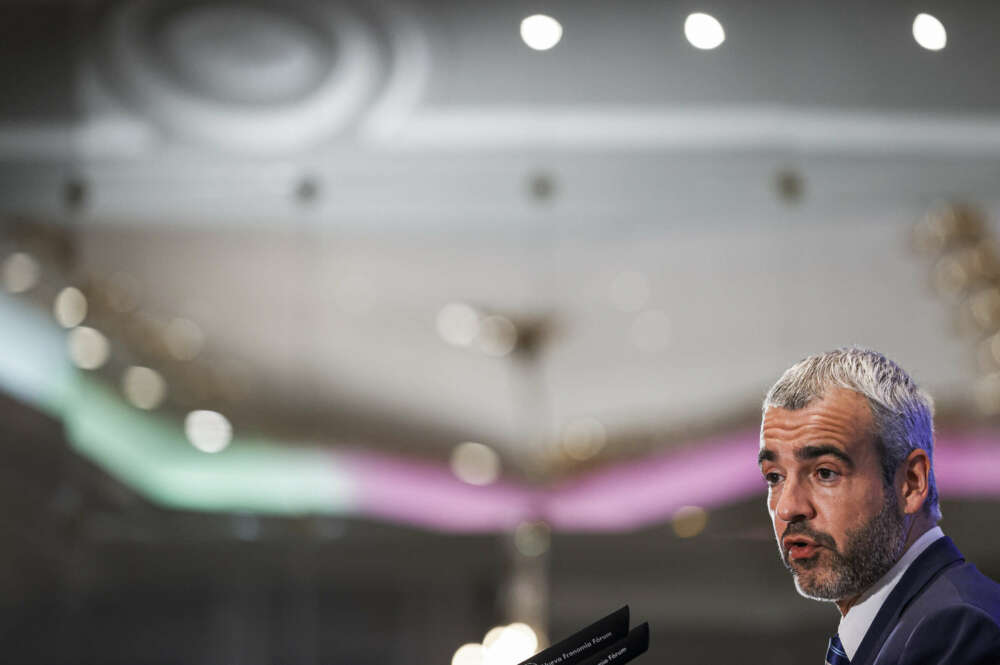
903	414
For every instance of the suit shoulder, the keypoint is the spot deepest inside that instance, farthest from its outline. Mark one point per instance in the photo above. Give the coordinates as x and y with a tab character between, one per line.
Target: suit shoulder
953	617
962	585
959	633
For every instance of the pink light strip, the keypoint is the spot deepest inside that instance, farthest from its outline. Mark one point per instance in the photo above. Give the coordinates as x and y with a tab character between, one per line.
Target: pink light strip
709	474
429	495
967	465
649	491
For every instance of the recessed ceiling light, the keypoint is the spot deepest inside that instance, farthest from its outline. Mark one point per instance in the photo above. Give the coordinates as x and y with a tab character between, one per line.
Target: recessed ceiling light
704	31
929	32
541	32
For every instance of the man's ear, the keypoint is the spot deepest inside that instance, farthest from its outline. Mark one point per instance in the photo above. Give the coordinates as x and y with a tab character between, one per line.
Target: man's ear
912	481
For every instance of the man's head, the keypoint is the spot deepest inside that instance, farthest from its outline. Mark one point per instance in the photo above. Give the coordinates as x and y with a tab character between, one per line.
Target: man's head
846	445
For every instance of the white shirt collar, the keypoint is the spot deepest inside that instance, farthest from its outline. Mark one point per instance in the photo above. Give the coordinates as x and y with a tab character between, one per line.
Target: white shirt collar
859	617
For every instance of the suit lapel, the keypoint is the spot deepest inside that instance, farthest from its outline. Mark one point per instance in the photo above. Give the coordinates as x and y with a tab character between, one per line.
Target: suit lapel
924	568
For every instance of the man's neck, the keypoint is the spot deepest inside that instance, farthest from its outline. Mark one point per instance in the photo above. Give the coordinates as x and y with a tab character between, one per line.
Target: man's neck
918	526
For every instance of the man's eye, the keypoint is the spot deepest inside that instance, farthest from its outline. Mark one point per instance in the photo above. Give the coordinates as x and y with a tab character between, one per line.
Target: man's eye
772	478
826	474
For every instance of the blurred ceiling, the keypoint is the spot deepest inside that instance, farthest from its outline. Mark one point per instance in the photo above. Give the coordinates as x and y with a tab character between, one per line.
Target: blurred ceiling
311	183
325	220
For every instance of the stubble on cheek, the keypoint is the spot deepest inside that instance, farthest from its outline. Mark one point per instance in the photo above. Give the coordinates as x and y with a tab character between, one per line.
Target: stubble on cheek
868	552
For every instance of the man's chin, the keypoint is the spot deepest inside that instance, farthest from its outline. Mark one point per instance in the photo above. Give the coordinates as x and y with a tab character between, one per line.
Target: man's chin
812	587
812	579
805	563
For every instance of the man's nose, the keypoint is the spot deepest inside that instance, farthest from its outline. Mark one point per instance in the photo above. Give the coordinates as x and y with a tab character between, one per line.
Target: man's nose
794	503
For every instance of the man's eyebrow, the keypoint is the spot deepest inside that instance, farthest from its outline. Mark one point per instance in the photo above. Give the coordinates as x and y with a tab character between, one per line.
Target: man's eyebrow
807	453
812	452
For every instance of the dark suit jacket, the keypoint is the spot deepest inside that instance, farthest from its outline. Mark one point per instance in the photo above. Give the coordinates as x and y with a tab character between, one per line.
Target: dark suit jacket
942	610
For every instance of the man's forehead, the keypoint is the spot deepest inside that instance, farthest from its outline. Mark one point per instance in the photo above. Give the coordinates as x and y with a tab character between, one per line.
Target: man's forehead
839	409
839	425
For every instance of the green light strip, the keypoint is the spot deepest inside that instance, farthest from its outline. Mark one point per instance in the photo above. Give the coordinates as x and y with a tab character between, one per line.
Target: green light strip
150	452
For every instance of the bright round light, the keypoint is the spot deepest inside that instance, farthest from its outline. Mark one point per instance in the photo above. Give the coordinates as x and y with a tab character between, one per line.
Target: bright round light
516	643
525	637
704	31
184	339
143	387
475	463
541	32
469	654
70	307
88	348
929	32
20	272
493	635
208	431
458	324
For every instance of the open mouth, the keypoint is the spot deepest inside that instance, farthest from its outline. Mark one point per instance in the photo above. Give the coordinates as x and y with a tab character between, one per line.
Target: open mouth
800	549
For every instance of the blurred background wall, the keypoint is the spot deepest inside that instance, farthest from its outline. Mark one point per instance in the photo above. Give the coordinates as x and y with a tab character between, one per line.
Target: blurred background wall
343	332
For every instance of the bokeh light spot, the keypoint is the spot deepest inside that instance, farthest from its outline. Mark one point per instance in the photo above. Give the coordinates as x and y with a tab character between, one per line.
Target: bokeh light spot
514	644
458	324
70	307
20	273
144	388
689	521
88	348
584	438
497	336
475	463
208	431
469	654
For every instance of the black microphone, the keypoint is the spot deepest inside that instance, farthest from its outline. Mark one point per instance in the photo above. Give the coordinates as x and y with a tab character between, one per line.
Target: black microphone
597	641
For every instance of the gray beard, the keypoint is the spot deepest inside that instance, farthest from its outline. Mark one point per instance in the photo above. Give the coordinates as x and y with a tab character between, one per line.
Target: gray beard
871	550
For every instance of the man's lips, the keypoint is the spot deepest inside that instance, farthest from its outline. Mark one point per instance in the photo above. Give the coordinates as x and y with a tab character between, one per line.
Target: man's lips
799	547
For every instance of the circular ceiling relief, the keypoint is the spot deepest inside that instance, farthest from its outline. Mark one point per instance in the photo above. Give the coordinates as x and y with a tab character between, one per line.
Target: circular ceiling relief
264	76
